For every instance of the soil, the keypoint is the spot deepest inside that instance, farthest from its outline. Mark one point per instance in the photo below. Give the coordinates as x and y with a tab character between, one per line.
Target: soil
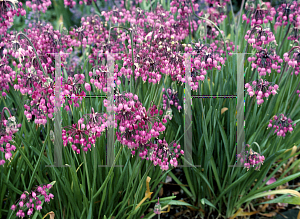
182	212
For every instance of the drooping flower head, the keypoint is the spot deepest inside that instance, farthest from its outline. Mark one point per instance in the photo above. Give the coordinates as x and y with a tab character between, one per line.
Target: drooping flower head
258	14
250	158
261	89
265	61
31	201
293	59
8	127
282	125
259	37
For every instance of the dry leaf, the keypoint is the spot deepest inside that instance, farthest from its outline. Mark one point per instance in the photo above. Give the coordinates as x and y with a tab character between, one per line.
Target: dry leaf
224	110
51	213
147	193
271	214
161	192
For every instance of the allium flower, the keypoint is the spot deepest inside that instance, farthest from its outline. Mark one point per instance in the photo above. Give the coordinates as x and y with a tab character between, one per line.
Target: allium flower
7	75
83	134
69	3
7	129
36	77
72	91
207	58
31	201
137	125
265	61
99	77
170	97
251	158
286	12
261	89
163	154
258	14
136	128
282	125
88	2
257	37
8	9
215	14
293	59
157	207
294	35
38	5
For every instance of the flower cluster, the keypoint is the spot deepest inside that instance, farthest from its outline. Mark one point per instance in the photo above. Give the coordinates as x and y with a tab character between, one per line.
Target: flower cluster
157	207
85	132
38	5
137	126
36	75
251	158
265	61
156	51
294	35
163	154
214	14
182	7
261	89
258	14
293	59
286	12
7	75
99	78
7	129
282	125
257	37
170	97
69	3
72	90
31	201
8	9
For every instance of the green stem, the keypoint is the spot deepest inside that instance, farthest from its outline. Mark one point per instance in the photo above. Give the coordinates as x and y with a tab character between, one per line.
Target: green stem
95	4
284	38
233	17
132	66
242	5
249	109
190	32
282	73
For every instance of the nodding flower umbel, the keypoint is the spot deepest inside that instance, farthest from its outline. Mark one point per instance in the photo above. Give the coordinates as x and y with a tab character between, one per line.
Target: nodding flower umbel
261	89
38	5
7	129
82	135
282	125
170	97
69	3
8	9
258	14
293	59
30	201
258	37
251	158
286	12
294	35
265	61
88	2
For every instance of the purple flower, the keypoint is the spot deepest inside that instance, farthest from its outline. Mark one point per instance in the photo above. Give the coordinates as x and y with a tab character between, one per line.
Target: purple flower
30	200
